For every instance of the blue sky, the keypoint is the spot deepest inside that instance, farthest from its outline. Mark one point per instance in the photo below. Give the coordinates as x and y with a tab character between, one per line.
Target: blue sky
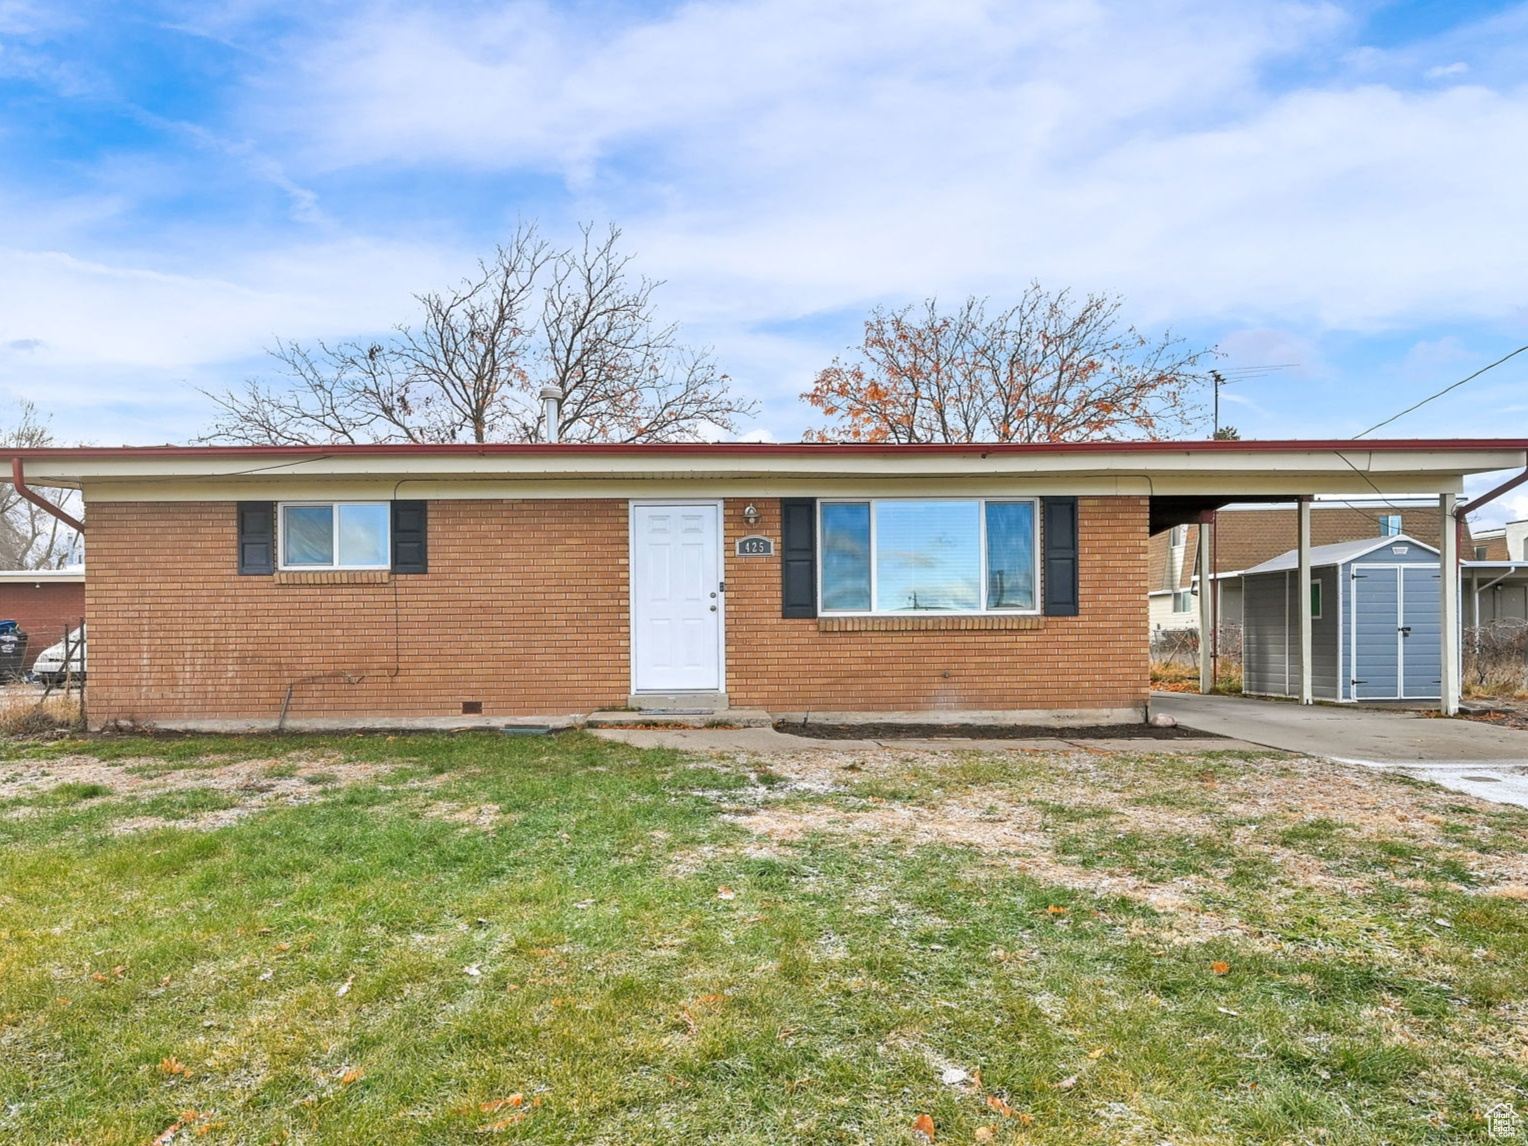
1341	186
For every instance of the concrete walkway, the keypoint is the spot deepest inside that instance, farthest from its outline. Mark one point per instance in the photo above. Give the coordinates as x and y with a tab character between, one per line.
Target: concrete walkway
1481	759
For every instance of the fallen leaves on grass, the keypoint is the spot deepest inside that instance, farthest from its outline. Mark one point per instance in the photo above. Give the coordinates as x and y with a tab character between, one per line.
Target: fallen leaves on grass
1067	1083
1220	967
1000	1106
201	1120
924	1125
687	1011
1055	910
172	1066
986	1134
725	893
498	1104
354	1074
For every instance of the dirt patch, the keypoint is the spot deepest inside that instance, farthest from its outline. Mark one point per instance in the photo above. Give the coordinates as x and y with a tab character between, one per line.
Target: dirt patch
893	731
294	778
1022	823
482	817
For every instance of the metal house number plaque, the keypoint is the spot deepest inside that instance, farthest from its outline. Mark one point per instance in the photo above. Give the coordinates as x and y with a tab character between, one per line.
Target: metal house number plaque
755	547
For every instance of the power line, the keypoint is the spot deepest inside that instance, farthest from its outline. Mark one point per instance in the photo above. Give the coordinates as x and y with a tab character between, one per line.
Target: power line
1442	392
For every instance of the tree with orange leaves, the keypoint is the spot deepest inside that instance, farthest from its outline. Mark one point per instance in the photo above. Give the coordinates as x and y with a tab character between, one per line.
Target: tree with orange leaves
1050	368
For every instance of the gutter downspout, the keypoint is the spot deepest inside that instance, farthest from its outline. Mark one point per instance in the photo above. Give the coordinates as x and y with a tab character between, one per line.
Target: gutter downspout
1489	496
1468	507
1479	589
19	481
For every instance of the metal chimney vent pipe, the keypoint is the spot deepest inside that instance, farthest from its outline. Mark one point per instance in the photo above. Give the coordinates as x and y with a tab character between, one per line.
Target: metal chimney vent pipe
551	402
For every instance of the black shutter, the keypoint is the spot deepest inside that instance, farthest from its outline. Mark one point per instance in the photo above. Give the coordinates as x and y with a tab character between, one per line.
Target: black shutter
410	548
257	537
1060	563
798	557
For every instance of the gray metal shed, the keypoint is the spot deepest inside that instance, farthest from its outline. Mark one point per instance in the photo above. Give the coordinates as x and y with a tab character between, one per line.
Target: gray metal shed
1374	630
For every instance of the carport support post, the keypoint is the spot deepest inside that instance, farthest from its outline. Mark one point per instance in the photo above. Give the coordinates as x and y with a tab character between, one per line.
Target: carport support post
1307	696
1206	606
1448	614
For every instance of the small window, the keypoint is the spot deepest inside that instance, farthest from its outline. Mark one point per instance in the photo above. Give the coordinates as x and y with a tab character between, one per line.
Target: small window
1315	600
1183	601
1389	525
928	556
335	535
1481	551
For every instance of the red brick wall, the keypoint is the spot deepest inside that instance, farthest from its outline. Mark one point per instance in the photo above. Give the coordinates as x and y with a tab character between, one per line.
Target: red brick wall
1095	660
43	610
526	610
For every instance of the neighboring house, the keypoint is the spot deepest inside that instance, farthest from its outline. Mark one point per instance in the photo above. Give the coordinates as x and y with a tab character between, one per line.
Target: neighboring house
43	602
1249	535
434	586
1504	544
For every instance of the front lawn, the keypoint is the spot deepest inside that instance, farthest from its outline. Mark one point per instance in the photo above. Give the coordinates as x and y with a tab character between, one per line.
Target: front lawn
441	939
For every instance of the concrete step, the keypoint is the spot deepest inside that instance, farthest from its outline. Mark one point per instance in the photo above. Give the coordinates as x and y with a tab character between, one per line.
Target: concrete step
729	717
678	701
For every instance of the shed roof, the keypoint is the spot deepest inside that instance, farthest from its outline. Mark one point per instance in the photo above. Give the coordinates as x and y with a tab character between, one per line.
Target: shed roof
1338	554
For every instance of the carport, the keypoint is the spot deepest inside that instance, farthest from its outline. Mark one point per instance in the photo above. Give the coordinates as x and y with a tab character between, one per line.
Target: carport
1278	471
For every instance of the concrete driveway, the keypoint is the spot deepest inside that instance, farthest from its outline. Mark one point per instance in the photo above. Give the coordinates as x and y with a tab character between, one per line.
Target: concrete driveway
1481	759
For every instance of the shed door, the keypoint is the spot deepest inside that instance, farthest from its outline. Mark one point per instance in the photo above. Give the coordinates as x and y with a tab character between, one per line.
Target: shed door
1376	632
1420	629
676	598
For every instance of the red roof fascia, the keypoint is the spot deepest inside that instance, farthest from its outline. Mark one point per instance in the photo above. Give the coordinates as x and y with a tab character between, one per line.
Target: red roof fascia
768	449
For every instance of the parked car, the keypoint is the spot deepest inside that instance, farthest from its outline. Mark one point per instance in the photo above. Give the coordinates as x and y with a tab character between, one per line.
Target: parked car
49	667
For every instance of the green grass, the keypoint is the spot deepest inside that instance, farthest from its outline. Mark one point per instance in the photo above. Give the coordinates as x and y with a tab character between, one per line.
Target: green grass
360	968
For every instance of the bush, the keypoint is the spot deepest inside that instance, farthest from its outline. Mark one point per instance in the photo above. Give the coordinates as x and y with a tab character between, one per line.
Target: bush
1496	658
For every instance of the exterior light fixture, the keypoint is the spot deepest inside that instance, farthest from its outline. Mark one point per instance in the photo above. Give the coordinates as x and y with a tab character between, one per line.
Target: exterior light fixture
752	515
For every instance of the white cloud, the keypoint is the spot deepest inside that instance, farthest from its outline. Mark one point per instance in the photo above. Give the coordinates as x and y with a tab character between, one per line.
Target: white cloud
801	155
87	313
1447	71
782	159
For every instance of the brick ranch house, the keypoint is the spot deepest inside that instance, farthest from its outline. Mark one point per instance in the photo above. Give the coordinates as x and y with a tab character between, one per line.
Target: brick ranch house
439	586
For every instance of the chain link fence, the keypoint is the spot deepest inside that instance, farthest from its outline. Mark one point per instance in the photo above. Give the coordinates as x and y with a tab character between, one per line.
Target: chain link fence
1175	658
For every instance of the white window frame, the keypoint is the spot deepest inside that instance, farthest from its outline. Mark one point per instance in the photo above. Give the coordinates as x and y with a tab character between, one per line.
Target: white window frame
984	611
281	561
1187	600
1384	524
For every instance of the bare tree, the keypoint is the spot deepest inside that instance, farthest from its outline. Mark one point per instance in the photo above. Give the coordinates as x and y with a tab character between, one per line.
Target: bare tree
1050	368
30	537
473	369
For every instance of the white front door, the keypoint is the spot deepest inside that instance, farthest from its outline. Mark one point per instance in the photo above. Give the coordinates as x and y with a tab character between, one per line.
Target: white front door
676	598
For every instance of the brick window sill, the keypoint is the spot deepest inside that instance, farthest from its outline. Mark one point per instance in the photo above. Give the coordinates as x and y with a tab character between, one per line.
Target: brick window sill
903	624
336	577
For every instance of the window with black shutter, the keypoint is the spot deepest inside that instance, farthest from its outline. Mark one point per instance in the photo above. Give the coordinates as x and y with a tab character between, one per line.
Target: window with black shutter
798	557
257	537
410	547
1060	548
